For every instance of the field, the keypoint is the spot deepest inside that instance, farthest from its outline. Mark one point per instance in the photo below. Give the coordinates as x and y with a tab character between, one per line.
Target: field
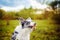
42	32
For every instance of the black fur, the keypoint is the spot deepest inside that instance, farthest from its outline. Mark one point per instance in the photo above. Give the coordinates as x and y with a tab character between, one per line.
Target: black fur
14	35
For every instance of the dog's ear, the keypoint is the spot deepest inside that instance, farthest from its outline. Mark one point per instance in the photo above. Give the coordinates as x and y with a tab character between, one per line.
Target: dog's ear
21	19
29	19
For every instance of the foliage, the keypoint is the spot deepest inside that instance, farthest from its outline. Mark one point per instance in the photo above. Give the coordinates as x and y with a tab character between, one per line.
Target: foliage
2	12
15	15
56	15
54	4
25	13
56	18
7	30
44	30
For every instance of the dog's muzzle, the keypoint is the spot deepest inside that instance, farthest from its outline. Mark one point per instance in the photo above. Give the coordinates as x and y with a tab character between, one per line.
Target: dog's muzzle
32	26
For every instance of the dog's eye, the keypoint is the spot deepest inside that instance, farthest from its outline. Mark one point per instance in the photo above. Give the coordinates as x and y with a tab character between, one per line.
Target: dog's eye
16	32
27	23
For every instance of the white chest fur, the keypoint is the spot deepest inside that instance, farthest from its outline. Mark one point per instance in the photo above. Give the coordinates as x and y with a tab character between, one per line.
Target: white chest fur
23	34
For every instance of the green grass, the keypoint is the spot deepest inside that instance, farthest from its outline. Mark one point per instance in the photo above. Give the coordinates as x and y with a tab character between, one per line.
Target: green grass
7	30
42	32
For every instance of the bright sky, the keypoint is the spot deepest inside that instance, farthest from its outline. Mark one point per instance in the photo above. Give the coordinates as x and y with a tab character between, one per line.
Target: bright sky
10	5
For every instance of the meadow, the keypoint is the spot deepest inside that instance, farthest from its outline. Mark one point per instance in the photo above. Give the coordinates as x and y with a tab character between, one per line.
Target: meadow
47	23
44	30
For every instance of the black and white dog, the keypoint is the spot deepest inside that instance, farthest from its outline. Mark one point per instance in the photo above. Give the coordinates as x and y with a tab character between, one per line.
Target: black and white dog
22	32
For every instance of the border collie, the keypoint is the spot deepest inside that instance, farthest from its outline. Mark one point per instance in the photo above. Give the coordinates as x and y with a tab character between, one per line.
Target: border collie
22	32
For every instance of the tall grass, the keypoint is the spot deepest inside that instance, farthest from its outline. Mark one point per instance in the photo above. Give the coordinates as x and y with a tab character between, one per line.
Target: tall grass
44	30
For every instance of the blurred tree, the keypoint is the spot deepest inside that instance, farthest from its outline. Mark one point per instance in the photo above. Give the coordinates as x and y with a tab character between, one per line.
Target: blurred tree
2	12
26	12
55	18
54	4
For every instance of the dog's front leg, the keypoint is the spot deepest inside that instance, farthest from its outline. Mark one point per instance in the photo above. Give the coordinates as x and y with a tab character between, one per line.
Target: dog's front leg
14	35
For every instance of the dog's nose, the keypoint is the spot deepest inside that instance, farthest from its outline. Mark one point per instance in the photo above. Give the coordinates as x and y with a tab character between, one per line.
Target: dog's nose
30	26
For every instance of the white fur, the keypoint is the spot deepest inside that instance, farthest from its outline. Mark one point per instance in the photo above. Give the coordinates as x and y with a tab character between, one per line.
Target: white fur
24	34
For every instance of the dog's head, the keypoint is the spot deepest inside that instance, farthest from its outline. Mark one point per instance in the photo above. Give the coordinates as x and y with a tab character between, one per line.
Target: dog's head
28	23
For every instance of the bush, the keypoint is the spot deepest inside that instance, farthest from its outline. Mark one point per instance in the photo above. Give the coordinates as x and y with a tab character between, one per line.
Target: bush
56	18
